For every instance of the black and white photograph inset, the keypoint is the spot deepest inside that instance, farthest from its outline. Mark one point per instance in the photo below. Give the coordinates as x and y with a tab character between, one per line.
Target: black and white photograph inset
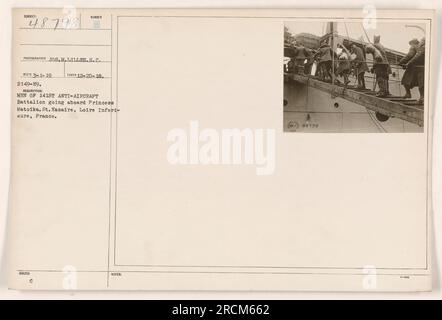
347	77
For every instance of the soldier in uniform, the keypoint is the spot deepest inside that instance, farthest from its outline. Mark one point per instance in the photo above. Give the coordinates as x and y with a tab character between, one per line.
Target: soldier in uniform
298	54
316	62
380	69
414	65
344	65
359	64
377	44
325	57
309	57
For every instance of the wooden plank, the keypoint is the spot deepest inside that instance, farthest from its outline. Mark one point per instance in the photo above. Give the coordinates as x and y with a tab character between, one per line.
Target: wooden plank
401	100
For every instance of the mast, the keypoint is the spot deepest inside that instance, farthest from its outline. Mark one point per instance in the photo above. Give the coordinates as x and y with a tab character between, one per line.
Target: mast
332	30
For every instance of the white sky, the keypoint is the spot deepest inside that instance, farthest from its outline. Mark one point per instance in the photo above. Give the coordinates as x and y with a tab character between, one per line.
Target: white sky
394	35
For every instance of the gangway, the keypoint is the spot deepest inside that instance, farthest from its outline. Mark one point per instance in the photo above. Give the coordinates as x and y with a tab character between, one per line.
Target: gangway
392	106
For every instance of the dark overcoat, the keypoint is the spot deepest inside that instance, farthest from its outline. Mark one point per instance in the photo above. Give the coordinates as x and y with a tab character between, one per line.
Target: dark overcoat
408	79
415	62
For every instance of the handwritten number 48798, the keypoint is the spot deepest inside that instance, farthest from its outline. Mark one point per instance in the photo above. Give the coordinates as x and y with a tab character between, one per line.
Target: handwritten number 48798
58	23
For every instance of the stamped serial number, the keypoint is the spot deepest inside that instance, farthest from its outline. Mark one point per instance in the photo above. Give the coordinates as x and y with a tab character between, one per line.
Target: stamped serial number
239	309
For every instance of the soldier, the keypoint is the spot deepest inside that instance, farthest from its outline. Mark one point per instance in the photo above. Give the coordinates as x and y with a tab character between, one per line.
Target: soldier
309	58
291	51
300	56
414	68
380	69
419	63
377	44
297	54
360	65
315	67
325	56
344	65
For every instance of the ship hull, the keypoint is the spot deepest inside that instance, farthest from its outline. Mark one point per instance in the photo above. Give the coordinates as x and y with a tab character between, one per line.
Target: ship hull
308	109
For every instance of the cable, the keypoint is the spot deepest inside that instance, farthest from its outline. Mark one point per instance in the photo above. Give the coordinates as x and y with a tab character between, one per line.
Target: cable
365	33
375	123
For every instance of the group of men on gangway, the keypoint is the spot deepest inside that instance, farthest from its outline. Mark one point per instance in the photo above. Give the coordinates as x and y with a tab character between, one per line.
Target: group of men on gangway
328	65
